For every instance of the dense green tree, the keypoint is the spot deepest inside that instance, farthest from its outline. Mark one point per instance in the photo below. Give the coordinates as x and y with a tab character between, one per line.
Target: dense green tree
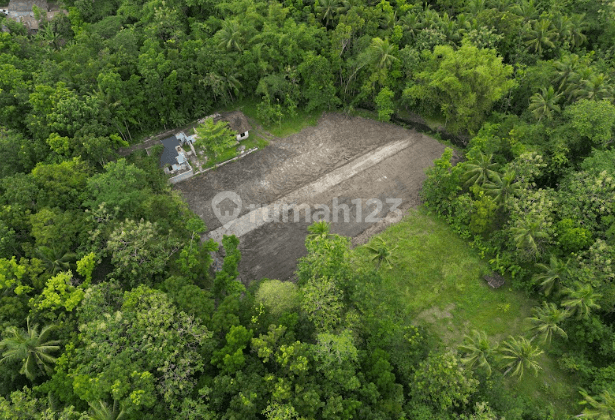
442	381
147	351
213	137
463	84
138	253
322	302
121	185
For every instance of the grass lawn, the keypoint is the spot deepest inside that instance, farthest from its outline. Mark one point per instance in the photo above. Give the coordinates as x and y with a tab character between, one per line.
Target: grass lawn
437	280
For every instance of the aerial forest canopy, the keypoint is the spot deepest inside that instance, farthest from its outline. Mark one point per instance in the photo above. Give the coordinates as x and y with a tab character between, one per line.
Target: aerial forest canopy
109	304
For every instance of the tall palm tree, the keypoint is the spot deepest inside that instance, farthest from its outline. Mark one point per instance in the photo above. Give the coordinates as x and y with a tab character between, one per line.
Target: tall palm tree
230	37
381	53
545	321
479	170
550	277
567	69
349	4
541	36
411	24
474	7
577	83
476	351
327	10
581	300
381	253
596	88
502	186
100	410
599	408
55	260
528	236
544	104
526	9
519	355
578	24
31	347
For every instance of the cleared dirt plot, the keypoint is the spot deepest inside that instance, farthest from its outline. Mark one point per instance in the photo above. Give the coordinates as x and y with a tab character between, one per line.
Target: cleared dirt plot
342	163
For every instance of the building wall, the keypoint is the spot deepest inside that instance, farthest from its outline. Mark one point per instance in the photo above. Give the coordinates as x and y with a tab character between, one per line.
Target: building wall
182	177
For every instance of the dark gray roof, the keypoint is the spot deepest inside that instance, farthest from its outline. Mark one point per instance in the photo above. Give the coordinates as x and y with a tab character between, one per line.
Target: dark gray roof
237	121
169	154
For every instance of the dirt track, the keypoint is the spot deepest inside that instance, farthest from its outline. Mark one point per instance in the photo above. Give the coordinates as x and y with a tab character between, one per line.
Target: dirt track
300	160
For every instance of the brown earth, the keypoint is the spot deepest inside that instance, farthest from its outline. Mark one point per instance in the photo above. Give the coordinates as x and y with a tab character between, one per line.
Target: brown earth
288	164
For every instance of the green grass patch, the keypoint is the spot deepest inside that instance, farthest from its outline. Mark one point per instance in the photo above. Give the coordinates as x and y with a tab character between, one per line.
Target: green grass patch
226	155
255	141
436	280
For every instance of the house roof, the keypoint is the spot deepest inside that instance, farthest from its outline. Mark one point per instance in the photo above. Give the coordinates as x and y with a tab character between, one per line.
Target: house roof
169	154
237	121
26	5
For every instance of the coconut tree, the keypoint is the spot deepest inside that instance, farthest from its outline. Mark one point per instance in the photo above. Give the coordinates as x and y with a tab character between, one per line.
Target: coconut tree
528	236
411	24
476	351
479	170
598	408
55	260
327	10
581	300
578	24
501	187
545	322
550	277
100	410
519	355
230	37
474	7
526	9
544	104
31	347
541	36
381	53
567	69
596	88
381	253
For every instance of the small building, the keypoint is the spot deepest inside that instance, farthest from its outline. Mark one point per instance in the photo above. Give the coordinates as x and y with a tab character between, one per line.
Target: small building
238	122
23	8
173	155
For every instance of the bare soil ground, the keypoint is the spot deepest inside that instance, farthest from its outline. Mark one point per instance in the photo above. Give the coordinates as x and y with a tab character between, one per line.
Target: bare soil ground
288	164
